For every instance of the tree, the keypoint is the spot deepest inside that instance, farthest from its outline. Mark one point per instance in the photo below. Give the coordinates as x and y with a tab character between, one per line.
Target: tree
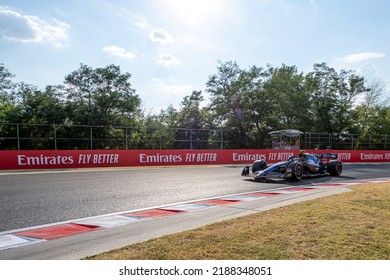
6	87
371	115
292	108
34	106
371	101
222	86
169	121
255	101
226	102
258	105
6	84
36	112
332	97
101	96
189	115
192	118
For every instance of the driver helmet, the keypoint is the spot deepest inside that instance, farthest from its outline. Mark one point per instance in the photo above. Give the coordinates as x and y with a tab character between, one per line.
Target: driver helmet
302	154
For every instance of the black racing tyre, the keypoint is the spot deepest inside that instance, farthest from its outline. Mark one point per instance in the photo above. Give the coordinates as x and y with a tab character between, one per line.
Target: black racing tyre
245	171
335	167
259	165
296	170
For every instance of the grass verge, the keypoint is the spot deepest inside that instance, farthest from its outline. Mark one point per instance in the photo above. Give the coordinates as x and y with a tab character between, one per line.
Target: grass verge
349	226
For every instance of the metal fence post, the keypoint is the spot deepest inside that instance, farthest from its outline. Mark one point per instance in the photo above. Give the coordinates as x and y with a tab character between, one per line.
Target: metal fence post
127	147
55	136
369	142
17	135
191	139
352	142
221	139
91	138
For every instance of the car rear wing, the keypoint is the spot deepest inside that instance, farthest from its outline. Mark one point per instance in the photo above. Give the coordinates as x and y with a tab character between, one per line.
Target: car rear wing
327	156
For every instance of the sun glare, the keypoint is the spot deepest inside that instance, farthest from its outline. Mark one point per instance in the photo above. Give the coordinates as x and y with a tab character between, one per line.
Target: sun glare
195	14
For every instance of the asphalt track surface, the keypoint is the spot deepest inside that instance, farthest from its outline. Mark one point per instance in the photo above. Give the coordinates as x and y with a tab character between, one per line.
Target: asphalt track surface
36	198
39	198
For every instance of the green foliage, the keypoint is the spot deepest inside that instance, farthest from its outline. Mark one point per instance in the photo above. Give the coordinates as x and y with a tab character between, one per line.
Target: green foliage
101	96
332	97
6	85
245	105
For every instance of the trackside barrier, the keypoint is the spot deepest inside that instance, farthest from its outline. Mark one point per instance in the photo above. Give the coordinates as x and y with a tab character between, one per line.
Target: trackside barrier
44	159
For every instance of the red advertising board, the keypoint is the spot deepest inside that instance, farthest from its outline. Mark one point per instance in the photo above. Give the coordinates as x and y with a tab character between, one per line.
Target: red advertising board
44	159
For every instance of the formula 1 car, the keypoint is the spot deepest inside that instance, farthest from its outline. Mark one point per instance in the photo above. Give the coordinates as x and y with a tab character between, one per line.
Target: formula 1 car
296	167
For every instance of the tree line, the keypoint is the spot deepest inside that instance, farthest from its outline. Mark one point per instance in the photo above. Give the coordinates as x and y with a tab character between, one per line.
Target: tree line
247	103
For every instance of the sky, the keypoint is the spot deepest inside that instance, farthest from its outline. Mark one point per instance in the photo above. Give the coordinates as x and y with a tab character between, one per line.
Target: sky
171	47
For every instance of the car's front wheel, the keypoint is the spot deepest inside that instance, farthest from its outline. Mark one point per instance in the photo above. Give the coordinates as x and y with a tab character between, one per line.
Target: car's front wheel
259	165
296	171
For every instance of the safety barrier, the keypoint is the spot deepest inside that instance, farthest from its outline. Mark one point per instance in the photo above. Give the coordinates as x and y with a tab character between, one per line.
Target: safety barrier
46	159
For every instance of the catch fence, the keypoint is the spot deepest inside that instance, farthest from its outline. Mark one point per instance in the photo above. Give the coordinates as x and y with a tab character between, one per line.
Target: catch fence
16	136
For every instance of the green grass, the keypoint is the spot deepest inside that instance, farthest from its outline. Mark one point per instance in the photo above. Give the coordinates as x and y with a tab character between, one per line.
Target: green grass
349	226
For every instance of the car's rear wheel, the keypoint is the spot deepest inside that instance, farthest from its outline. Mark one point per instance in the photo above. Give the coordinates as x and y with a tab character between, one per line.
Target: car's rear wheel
335	167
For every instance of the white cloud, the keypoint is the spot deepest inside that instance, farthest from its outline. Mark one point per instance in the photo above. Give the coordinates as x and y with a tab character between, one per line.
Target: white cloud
160	36
368	70
361	57
17	27
167	60
138	20
314	4
118	51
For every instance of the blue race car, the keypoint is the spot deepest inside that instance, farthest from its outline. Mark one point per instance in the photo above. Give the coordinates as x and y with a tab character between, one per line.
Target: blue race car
296	167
